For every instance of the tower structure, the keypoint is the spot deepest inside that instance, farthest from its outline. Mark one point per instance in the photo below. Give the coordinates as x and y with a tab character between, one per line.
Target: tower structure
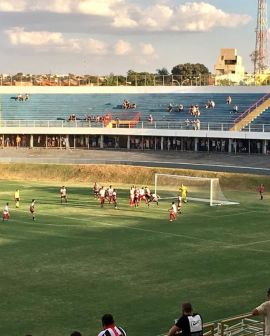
260	55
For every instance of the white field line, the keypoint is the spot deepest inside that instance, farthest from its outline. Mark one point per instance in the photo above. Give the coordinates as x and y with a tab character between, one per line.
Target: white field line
249	244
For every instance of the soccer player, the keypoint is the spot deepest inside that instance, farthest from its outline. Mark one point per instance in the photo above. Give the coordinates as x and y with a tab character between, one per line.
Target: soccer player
147	193
32	209
96	189
114	198
179	203
142	195
5	214
261	190
110	194
102	192
153	198
173	212
17	198
136	197
131	195
183	191
63	194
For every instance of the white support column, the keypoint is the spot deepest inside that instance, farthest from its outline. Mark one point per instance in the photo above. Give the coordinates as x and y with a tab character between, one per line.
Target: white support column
101	142
196	145
128	142
161	143
264	147
67	142
31	141
230	146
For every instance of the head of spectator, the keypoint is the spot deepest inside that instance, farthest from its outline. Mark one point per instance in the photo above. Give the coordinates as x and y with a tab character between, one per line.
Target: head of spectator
187	308
268	293
75	333
107	320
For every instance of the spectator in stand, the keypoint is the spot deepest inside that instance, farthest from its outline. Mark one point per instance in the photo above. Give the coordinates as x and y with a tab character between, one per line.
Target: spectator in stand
264	310
235	109
189	324
229	100
110	329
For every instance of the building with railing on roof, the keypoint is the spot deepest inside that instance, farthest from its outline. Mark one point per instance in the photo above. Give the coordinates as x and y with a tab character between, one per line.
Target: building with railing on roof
229	67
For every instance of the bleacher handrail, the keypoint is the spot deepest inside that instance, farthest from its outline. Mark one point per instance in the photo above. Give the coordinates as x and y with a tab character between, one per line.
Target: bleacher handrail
172	124
252	108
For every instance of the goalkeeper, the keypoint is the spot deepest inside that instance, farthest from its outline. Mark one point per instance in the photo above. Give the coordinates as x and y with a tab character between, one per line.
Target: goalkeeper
183	190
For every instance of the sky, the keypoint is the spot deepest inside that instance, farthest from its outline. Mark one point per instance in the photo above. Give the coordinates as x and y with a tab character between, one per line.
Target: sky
101	37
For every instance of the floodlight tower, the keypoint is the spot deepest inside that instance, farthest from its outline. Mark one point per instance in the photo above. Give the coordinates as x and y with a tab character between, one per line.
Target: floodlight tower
260	55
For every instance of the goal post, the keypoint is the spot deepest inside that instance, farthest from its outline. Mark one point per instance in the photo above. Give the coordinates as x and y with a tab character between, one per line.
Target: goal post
201	189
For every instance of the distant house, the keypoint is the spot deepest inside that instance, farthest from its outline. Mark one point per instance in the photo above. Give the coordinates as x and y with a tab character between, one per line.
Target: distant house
229	67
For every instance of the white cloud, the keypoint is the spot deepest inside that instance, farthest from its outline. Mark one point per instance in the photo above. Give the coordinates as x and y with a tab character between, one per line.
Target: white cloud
123	14
44	41
18	36
122	21
13	6
92	7
147	49
122	48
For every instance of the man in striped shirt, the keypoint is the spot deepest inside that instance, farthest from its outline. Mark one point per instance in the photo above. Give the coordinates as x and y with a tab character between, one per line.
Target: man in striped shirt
110	329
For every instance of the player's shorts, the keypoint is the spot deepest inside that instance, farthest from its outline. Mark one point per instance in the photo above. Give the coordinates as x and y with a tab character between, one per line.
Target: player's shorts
5	215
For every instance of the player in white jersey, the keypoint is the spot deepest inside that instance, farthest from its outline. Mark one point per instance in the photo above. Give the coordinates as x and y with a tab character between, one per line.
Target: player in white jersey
32	209
131	196
63	194
96	188
153	198
110	194
173	212
142	195
102	192
179	204
5	214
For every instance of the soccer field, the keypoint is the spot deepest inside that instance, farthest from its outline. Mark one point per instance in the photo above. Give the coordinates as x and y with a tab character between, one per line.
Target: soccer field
78	261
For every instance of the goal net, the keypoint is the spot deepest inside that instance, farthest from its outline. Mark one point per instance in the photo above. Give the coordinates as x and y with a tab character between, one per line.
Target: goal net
199	189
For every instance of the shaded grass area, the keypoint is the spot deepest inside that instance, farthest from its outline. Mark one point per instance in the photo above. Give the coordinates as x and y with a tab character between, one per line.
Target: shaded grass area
78	261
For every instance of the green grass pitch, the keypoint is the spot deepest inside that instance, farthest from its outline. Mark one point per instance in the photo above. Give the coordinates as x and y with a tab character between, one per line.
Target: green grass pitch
78	261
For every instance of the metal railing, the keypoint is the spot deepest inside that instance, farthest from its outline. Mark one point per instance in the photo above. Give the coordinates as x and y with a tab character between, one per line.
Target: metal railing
171	125
252	108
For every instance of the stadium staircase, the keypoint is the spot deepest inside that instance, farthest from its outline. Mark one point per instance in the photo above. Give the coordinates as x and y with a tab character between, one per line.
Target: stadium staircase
254	111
